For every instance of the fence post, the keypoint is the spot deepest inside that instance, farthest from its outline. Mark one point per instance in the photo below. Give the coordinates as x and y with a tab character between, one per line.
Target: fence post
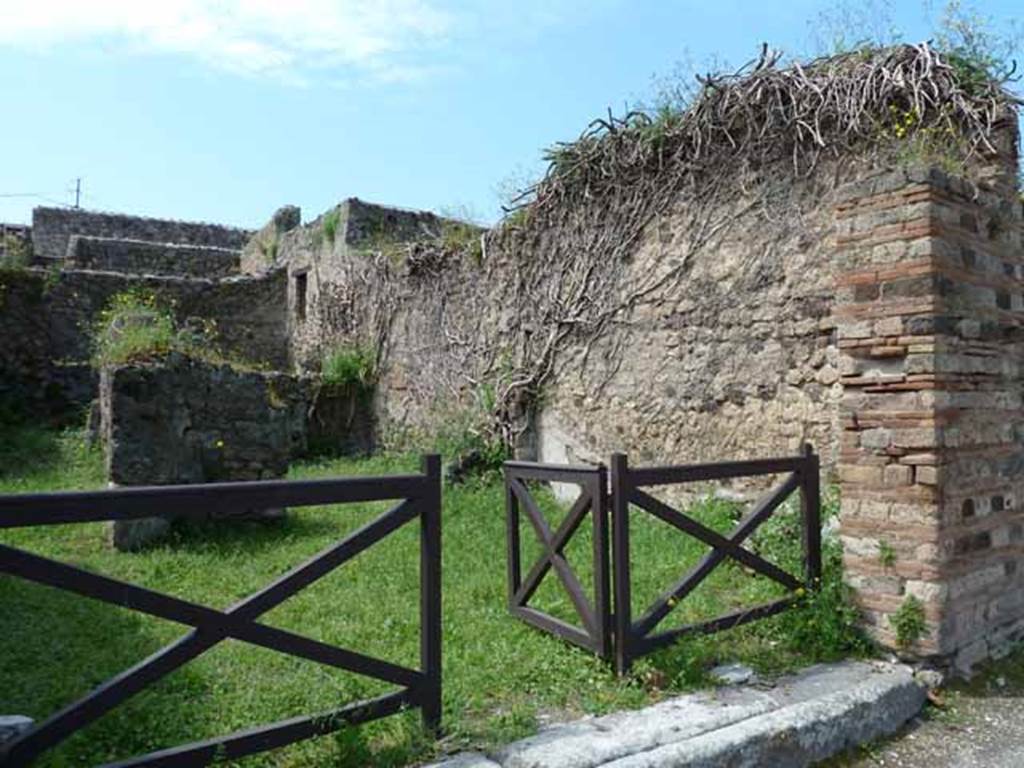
620	561
430	594
512	540
810	502
602	577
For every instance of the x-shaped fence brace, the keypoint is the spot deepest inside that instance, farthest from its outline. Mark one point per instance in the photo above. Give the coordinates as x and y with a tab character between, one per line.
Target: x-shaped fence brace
634	639
211	626
629	639
595	633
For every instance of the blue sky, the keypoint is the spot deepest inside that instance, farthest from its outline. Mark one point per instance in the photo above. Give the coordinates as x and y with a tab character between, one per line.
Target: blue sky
223	110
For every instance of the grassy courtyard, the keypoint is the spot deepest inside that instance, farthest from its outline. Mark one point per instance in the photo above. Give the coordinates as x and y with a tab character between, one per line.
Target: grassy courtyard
501	678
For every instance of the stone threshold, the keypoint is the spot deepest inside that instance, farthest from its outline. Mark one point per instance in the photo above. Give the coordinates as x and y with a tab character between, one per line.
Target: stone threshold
796	720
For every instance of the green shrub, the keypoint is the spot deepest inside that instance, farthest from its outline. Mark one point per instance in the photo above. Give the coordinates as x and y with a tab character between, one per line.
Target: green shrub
137	326
330	224
463	237
472	430
826	624
268	249
908	622
16	253
133	327
350	367
886	554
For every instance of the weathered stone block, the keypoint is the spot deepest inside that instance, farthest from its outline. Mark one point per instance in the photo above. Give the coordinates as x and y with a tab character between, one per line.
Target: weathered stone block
898	474
926	475
876	439
184	421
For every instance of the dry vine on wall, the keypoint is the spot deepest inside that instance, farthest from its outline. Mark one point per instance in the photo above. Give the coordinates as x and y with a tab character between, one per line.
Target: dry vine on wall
554	273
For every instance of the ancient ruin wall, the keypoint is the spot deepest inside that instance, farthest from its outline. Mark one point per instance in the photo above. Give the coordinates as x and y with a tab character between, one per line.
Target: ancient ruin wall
141	257
334	293
27	378
248	311
52	229
737	360
49	318
185	421
931	330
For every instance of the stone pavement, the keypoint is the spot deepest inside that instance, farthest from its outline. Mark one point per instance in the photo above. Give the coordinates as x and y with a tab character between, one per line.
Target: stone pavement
979	725
794	721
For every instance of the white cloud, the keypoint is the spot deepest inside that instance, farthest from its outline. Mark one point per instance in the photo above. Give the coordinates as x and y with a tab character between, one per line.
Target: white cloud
284	38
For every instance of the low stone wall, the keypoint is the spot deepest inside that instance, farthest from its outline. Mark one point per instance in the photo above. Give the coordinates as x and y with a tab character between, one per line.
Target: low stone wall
25	359
185	421
340	421
142	257
52	229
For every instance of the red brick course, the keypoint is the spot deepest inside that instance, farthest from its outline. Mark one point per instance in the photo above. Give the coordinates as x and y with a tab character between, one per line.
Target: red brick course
931	462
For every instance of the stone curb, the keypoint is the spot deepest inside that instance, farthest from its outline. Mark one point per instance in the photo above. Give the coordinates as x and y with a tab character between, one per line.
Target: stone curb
798	721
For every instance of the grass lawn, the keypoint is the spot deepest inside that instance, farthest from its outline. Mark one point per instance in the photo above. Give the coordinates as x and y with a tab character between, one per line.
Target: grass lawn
501	678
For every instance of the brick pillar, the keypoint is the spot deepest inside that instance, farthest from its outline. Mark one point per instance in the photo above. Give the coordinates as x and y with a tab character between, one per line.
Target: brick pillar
929	315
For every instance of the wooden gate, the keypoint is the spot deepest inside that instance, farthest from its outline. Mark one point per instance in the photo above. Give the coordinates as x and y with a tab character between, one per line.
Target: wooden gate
594	631
627	639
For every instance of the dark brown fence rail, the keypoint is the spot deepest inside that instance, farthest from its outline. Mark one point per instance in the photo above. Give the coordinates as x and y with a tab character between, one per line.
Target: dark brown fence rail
595	616
418	496
630	639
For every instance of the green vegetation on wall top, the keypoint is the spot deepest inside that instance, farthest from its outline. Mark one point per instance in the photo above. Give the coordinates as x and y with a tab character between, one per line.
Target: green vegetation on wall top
139	326
330	224
349	366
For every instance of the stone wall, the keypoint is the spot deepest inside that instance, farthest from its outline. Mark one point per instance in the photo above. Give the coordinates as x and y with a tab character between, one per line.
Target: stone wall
324	270
48	317
184	421
18	234
149	258
931	331
261	251
52	229
881	318
340	421
26	375
739	360
248	311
